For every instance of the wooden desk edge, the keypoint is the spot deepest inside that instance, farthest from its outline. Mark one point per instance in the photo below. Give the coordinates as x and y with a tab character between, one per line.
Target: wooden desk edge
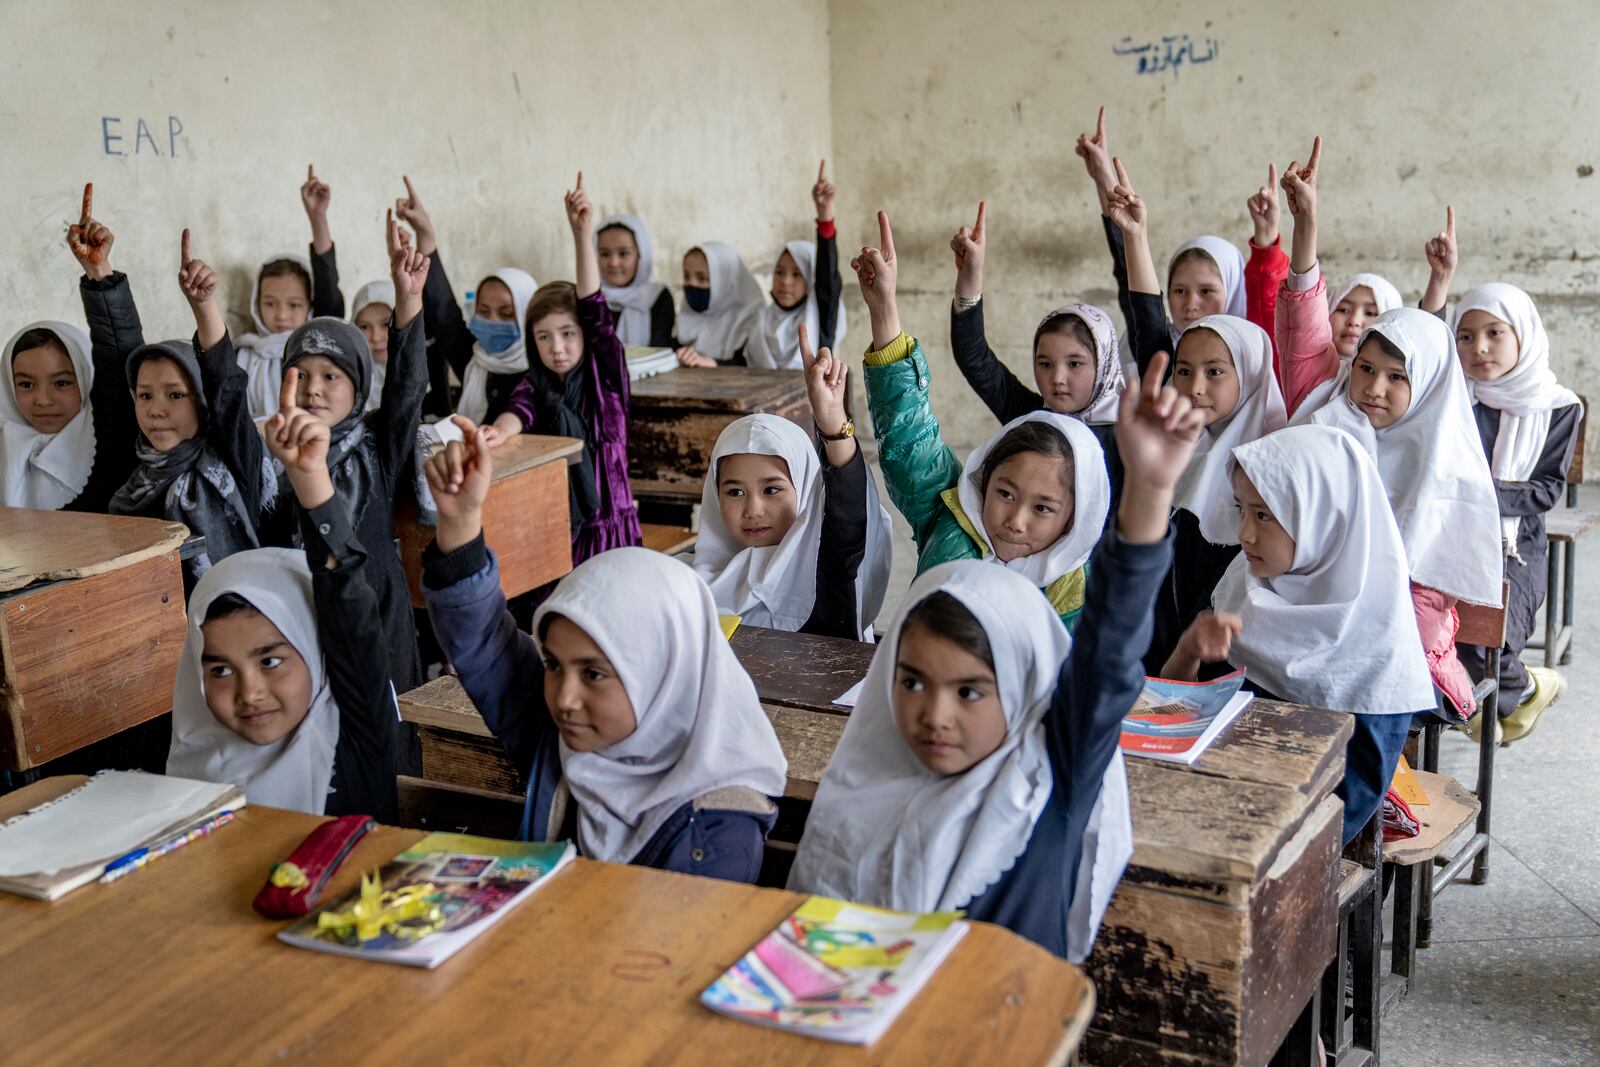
172	541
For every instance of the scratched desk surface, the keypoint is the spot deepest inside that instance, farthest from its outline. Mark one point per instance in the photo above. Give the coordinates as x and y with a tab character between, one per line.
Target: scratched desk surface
603	965
37	545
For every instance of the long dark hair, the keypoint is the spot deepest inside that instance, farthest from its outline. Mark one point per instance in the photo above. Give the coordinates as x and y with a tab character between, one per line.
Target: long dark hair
1031	436
944	616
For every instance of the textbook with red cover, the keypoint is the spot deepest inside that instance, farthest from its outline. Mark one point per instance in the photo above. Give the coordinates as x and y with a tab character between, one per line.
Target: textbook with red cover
1176	721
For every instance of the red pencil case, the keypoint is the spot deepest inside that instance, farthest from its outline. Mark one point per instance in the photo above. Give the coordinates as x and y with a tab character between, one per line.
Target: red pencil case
295	884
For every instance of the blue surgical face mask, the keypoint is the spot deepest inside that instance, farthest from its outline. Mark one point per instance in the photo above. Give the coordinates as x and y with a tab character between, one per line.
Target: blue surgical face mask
698	297
495	337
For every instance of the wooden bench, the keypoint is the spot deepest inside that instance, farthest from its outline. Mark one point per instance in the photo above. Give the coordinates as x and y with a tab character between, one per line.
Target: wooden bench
1217	938
671	540
524	517
1564	528
92	624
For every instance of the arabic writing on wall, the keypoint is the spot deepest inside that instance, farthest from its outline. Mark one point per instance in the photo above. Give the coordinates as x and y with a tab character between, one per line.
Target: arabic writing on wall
1171	52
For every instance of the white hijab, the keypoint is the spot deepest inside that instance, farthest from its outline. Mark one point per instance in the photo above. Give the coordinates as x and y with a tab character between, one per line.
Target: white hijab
776	339
379	292
1091	500
884	830
1108	375
1525	395
637	297
47	470
1204	490
1384	294
1230	265
1338	630
296	771
1431	460
700	724
474	401
260	354
736	301
777	586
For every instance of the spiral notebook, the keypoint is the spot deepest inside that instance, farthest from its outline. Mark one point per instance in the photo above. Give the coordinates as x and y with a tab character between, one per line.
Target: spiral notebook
52	849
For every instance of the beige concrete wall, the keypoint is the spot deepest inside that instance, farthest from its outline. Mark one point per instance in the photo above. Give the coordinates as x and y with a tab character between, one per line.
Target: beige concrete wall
1493	107
490	106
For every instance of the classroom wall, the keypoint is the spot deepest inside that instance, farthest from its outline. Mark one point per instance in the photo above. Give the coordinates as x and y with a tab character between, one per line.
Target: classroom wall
1486	105
491	106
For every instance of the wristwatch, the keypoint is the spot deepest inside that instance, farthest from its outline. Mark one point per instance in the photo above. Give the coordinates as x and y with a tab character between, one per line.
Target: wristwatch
847	431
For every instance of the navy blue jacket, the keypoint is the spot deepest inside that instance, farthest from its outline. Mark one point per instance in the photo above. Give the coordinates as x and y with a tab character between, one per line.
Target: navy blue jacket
500	669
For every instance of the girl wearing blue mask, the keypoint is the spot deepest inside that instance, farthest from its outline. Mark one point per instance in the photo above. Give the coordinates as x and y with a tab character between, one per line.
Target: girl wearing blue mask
721	302
486	348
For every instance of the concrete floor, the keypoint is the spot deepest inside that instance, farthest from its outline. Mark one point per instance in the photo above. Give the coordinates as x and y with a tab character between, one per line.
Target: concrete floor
1513	977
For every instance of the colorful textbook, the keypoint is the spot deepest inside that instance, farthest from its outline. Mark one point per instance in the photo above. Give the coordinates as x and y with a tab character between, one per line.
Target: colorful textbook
1176	721
836	970
427	903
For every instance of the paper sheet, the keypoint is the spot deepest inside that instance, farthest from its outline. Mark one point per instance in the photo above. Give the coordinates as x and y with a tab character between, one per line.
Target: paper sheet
851	695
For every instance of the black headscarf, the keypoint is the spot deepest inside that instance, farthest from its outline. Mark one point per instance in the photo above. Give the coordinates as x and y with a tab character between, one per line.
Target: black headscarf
562	408
352	452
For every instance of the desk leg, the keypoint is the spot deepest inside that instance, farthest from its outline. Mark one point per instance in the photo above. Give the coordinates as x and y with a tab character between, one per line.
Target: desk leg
1299	1048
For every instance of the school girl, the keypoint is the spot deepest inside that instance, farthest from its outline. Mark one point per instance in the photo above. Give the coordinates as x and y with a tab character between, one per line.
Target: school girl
721	302
1315	609
1403	399
788	539
980	769
65	417
289	289
200	458
641	306
283	688
805	292
1032	498
578	387
487	349
641	735
1528	424
1076	363
371	311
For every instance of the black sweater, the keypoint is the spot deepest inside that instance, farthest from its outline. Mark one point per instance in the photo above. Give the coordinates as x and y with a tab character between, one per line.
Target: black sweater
351	634
325	296
843	546
1144	314
1542	491
114	333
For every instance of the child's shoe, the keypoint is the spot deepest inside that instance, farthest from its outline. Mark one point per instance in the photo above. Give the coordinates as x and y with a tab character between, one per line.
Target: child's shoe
1474	729
1549	686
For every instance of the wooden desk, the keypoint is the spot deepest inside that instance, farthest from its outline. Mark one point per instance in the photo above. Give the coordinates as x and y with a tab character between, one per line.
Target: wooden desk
91	627
794	670
525	516
1225	918
676	418
604	965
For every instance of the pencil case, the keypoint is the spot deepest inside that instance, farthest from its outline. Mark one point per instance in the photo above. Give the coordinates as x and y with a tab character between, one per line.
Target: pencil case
296	883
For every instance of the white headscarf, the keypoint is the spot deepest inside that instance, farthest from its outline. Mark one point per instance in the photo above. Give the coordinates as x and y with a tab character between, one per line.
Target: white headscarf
637	297
1338	630
1230	265
1384	294
296	771
47	470
776	339
777	586
884	830
736	301
1091	500
1525	395
260	354
1204	490
1108	376
474	401
1431	460
379	292
700	723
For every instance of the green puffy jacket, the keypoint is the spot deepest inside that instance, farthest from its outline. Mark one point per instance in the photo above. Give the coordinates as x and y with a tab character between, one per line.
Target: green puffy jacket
921	473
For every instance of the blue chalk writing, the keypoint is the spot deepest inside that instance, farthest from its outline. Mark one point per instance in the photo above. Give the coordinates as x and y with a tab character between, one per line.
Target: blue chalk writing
107	136
174	127
112	137
142	136
1171	53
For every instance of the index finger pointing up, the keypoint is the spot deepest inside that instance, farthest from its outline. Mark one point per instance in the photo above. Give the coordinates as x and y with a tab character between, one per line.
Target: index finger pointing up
977	227
411	194
807	357
822	171
885	236
1316	157
88	203
1100	126
1450	222
579	188
287	392
184	255
311	173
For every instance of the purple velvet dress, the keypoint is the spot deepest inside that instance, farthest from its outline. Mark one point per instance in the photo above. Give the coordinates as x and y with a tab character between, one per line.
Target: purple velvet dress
605	515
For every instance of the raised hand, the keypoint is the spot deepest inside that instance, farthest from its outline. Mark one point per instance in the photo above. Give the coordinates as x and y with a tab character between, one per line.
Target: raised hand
1156	432
1301	183
826	377
409	209
299	440
1096	156
459	475
970	247
1441	250
197	280
876	270
90	241
822	194
580	212
1264	210
1210	637
314	197
1125	207
409	269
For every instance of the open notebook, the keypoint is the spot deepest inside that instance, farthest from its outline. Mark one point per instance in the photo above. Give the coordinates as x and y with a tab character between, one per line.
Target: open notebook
53	849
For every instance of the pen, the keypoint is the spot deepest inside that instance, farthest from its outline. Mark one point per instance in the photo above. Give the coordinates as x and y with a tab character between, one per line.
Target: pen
139	857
